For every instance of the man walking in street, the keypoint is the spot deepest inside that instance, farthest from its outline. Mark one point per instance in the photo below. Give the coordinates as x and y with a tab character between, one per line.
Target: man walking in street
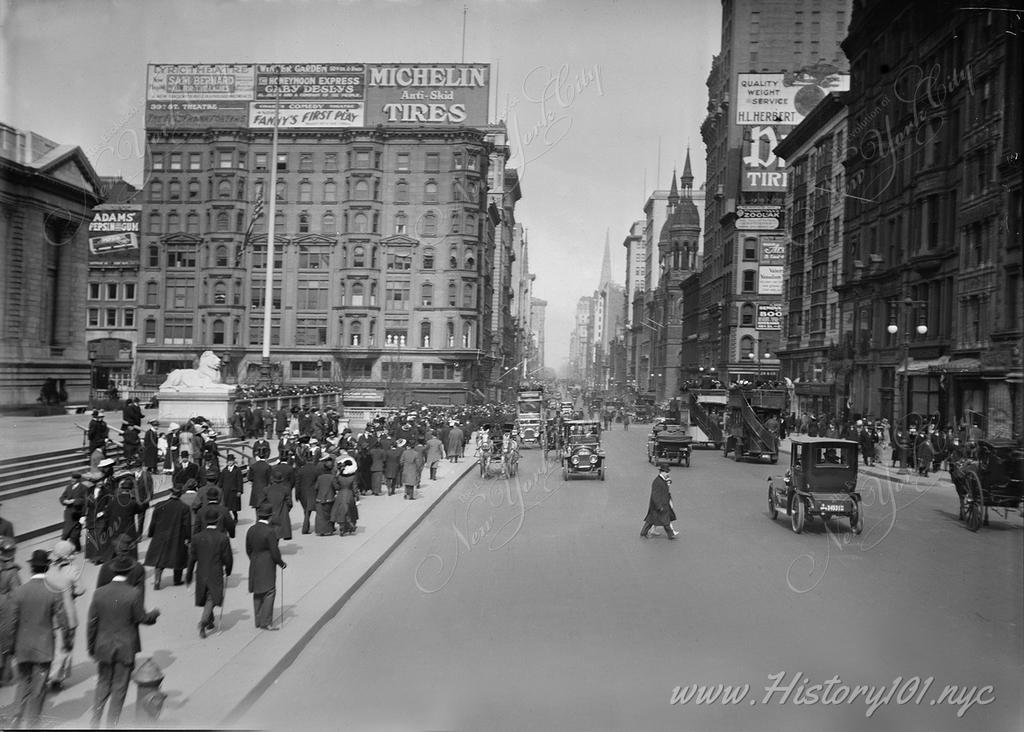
210	562
456	439
73	499
37	615
115	614
264	559
435	454
170	531
659	509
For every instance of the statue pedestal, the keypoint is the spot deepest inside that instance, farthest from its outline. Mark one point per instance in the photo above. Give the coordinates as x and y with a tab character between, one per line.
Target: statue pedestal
180	406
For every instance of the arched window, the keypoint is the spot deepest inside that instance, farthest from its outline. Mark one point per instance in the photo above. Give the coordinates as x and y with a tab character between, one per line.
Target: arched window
362	190
156	191
450	340
304	222
747	314
220	293
471	225
430	192
193	190
453	294
192	222
458	191
427	295
359	257
470	259
401	223
173	223
239	221
282	191
453	258
240	195
224	189
430	224
355	333
425	334
330	191
373	299
220	256
223	221
174	190
467	335
428	258
357	294
401	192
746	346
467	295
453	225
155	222
328	224
360	223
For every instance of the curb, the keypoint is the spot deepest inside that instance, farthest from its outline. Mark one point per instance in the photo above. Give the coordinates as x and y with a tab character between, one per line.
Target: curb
267	678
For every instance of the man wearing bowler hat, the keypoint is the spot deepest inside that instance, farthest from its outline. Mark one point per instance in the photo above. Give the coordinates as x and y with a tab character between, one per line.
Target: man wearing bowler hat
209	561
659	509
37	614
264	559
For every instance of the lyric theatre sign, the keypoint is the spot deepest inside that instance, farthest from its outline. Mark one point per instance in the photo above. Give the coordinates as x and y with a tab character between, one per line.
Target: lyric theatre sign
314	95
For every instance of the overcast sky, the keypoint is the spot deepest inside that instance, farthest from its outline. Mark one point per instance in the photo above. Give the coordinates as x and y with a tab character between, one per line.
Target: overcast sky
590	90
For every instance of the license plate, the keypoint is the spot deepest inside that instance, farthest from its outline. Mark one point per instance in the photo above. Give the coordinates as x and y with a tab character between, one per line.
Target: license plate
832	507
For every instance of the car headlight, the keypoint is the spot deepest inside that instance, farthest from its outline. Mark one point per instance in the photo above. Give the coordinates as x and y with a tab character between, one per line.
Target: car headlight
593	459
575	460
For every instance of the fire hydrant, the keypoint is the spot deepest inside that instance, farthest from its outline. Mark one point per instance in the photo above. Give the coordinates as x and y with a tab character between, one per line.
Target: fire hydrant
150	700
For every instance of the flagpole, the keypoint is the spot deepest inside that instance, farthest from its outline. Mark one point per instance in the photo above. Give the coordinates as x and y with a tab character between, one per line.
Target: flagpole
268	296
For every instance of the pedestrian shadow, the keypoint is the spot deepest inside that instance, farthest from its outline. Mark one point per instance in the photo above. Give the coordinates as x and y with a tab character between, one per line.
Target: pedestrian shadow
163	658
66	707
290	549
230	620
233	580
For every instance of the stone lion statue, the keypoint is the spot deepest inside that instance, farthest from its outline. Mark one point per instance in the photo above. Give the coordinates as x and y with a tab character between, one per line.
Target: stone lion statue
204	378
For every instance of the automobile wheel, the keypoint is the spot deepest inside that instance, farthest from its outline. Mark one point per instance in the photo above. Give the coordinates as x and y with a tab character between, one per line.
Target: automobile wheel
773	510
975	502
798	516
856	519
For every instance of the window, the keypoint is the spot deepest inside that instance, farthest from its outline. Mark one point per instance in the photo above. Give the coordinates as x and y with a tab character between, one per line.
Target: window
427	295
152	293
181	256
311	295
94	290
747	347
441	372
394	336
359	257
357	294
450	337
149	330
224	188
470	259
259	257
110	318
430	224
156	191
452	294
433	163
220	256
175	161
362	159
330	191
401	223
397	295
373	297
225	159
193	190
467	295
328	225
311	331
178	331
428	258
195	161
331	162
220	293
471	161
305	162
360	223
192	222
401	192
402	161
217	332
94	317
355	333
750	249
425	335
749	280
305	191
430	192
304	222
256	331
260	162
129	318
457	162
129	290
282	161
173	223
174	190
362	190
399	261
180	294
747	314
158	162
467	335
394	370
453	227
223	222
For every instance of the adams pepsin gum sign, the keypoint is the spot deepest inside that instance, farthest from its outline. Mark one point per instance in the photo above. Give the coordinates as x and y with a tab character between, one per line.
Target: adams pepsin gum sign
239	95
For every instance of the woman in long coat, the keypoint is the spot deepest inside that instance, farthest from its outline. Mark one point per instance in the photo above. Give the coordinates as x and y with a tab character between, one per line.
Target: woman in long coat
326	489
344	511
279	496
170	530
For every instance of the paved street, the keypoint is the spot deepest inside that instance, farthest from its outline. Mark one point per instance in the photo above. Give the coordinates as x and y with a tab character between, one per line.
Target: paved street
536	605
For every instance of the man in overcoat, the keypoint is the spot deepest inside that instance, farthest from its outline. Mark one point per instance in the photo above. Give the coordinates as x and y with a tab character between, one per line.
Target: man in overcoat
259	474
73	499
410	462
231	486
659	509
97	431
305	488
435	454
456	440
212	502
186	470
209	561
393	466
279	496
151	446
37	613
170	531
143	492
115	614
264	559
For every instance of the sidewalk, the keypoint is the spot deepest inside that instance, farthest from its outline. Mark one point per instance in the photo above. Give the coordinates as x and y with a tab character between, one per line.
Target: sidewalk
209	681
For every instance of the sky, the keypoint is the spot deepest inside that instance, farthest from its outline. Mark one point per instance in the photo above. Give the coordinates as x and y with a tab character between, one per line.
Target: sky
591	91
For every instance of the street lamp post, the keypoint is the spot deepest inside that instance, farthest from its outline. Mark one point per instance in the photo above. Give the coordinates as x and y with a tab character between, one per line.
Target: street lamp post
909	306
319	371
92	374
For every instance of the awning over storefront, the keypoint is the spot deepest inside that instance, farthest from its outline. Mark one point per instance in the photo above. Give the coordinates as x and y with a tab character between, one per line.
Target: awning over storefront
961	365
924	366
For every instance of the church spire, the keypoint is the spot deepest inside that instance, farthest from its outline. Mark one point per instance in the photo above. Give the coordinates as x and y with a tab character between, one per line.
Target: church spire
687	177
606	264
673	194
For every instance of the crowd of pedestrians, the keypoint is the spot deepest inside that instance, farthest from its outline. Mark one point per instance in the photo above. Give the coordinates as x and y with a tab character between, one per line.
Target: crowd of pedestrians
317	463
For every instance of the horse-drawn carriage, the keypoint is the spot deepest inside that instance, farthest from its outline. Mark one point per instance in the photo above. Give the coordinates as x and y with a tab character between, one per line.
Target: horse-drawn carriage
991	477
498	451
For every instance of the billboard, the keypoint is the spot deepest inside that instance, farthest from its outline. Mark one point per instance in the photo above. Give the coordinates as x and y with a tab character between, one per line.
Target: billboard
769	279
785	99
758	218
769	316
773	249
316	95
114	233
763	170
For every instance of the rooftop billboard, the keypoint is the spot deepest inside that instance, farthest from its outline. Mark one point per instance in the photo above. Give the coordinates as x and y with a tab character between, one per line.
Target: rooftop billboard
784	99
315	95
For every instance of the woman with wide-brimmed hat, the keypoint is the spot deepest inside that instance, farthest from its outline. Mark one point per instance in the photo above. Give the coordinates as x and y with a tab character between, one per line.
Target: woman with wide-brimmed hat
344	511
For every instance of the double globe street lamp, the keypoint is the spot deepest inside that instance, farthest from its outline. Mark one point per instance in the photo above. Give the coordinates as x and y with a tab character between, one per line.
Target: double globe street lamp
909	305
